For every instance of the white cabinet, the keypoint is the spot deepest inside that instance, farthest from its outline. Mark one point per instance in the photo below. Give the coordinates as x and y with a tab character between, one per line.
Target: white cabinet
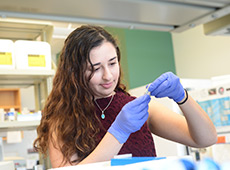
18	125
14	29
42	82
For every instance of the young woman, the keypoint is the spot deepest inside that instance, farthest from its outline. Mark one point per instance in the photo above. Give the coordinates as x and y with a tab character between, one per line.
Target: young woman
89	116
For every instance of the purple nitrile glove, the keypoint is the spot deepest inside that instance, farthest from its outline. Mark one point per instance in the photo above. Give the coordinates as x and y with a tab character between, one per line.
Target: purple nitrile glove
167	85
130	119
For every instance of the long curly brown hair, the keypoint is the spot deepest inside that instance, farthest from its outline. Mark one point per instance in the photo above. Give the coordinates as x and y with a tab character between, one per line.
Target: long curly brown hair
69	112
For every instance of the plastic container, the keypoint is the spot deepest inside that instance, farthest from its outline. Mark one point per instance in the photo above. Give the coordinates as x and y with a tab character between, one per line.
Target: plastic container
7	57
2	115
32	55
11	115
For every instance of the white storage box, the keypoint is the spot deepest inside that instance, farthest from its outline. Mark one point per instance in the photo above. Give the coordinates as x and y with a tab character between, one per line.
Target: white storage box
7	59
32	55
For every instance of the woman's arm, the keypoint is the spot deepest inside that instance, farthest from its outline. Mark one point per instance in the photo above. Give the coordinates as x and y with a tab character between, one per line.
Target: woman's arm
130	119
194	128
201	128
106	150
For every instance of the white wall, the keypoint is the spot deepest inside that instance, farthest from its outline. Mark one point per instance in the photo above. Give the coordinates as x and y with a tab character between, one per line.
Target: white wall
200	56
27	97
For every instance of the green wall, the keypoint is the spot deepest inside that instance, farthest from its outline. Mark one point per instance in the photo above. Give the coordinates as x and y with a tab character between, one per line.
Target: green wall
149	54
145	55
119	35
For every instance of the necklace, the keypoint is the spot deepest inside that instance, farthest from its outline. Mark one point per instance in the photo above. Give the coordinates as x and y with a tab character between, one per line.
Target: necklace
102	111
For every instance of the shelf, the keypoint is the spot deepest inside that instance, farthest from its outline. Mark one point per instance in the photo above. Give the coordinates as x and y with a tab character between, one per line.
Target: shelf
10	77
18	125
25	30
18	74
16	107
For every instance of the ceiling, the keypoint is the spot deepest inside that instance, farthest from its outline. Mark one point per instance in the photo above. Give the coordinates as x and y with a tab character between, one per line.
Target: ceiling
160	15
164	15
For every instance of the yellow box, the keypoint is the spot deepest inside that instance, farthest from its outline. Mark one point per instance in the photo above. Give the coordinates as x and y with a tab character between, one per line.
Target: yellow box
7	58
32	55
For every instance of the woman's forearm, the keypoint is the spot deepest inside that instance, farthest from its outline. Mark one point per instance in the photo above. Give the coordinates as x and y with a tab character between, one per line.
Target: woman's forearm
106	150
200	125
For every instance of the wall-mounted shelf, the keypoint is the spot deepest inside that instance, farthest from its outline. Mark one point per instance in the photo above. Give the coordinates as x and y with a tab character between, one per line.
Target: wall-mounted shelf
29	72
18	125
14	29
40	79
23	77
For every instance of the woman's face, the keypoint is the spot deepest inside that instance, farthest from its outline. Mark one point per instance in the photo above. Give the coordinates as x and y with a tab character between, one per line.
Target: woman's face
107	70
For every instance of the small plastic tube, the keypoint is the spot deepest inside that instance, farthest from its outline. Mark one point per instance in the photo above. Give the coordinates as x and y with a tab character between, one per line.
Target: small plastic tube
147	90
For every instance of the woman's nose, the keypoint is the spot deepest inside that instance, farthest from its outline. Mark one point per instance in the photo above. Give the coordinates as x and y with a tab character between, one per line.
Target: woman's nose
107	75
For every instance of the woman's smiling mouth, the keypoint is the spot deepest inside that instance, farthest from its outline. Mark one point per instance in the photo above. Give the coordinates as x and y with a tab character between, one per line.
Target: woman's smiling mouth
107	85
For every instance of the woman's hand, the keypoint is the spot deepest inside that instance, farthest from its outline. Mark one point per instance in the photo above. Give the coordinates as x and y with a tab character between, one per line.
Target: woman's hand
167	85
130	119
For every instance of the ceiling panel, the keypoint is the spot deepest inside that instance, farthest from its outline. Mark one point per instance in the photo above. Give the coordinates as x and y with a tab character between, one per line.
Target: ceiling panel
59	17
165	15
161	15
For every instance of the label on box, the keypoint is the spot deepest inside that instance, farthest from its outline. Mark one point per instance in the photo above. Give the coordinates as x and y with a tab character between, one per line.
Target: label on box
36	60
5	58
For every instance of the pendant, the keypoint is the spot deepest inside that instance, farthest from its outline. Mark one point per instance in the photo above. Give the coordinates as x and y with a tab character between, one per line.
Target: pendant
102	115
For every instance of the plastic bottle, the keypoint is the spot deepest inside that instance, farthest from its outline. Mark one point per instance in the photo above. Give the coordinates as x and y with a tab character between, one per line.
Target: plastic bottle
2	115
11	114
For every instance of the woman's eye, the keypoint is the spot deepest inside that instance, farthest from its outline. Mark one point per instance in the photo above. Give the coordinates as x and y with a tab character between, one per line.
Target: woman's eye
96	69
113	63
